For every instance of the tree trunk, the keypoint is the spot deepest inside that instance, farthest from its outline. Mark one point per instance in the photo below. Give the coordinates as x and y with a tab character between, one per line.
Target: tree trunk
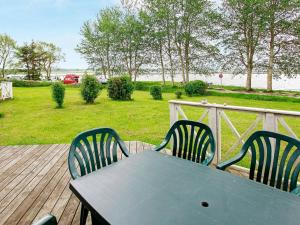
271	57
171	61
162	64
187	62
181	63
3	70
249	78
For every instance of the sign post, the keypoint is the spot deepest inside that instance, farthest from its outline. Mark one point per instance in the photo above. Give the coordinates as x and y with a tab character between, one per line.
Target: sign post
221	78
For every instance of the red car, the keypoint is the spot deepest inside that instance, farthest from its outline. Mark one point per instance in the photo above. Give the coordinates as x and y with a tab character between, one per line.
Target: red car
71	79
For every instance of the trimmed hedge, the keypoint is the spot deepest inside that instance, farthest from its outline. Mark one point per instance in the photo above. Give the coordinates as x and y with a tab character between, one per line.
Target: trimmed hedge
30	83
155	91
178	94
58	94
90	88
120	88
195	88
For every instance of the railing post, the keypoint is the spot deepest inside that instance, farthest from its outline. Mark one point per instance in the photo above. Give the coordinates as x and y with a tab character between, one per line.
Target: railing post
173	114
215	126
2	90
10	90
270	122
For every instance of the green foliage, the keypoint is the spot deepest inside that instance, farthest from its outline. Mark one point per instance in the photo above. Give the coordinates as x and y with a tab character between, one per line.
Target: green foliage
178	94
141	86
120	88
166	88
155	91
195	88
7	47
31	58
30	83
1	115
90	88
259	97
58	93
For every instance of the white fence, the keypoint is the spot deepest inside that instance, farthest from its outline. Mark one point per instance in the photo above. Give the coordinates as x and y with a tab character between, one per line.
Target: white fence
6	90
216	113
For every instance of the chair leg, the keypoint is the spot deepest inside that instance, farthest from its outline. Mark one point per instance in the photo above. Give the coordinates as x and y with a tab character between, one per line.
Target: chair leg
83	215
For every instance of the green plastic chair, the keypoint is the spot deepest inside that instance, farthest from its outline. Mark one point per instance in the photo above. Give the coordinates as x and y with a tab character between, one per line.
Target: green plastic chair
91	150
190	140
282	172
47	220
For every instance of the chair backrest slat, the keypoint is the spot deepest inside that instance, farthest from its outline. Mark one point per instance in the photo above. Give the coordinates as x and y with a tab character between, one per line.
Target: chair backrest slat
186	141
288	169
108	149
192	141
282	164
85	157
175	142
90	153
180	147
102	152
275	163
87	153
96	151
294	177
197	139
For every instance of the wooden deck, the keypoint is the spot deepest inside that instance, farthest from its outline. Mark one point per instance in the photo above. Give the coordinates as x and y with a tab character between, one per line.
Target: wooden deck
34	180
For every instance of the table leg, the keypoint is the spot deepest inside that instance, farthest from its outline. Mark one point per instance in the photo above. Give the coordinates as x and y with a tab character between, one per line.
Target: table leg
83	215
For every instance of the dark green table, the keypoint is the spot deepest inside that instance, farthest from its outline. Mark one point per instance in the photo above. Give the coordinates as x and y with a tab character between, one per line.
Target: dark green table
152	188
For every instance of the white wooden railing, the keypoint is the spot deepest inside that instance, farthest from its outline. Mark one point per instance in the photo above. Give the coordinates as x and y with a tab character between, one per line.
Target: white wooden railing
6	90
269	118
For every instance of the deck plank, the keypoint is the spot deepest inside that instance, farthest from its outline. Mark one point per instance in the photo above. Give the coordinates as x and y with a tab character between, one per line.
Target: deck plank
34	180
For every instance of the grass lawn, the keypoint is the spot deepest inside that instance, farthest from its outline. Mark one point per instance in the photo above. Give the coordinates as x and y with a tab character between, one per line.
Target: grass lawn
31	118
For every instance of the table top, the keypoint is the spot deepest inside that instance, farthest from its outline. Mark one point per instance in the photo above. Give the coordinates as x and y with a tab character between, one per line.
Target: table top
154	188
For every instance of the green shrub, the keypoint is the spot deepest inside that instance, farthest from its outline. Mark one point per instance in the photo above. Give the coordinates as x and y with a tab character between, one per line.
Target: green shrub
120	88
178	94
155	91
1	115
30	83
90	88
140	86
58	93
195	88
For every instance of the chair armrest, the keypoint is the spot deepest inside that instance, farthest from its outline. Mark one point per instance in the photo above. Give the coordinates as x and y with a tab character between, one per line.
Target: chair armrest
47	220
161	146
224	165
296	191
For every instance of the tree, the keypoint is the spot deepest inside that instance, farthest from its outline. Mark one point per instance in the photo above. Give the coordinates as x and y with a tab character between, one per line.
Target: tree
161	37
281	44
31	58
116	42
134	43
242	29
185	29
99	41
7	48
51	55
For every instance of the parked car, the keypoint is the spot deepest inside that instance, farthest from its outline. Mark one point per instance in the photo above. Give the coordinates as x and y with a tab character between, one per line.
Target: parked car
71	79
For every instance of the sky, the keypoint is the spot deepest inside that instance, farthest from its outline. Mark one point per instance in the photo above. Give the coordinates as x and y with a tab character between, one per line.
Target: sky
56	21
